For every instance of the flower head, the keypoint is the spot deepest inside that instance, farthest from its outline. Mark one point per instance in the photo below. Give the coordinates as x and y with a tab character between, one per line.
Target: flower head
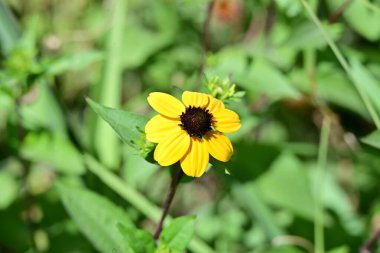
191	130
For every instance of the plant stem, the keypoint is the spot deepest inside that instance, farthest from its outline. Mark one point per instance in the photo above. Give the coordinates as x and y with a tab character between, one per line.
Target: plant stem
168	202
319	193
206	37
339	12
309	65
370	244
138	200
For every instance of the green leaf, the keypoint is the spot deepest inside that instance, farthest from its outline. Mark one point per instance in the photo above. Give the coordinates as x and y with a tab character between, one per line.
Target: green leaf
137	199
96	217
257	209
372	139
281	249
331	82
264	78
178	234
286	185
341	249
9	29
8	188
73	62
6	102
365	79
14	234
307	36
126	124
336	200
228	61
289	7
54	149
139	240
242	167
362	19
41	110
160	32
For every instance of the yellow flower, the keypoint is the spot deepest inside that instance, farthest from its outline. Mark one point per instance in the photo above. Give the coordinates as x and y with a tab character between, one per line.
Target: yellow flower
188	132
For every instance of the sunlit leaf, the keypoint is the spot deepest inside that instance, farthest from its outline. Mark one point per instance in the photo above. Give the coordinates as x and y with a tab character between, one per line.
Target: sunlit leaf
307	35
266	79
286	185
365	79
361	18
126	124
73	62
96	217
53	149
140	241
178	234
331	82
42	111
9	29
165	22
372	139
8	188
341	249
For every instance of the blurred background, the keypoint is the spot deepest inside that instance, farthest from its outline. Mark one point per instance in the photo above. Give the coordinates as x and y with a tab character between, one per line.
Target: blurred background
302	159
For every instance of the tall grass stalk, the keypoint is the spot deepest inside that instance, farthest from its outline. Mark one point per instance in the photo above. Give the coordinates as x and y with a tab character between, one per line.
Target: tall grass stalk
10	31
107	143
343	62
319	242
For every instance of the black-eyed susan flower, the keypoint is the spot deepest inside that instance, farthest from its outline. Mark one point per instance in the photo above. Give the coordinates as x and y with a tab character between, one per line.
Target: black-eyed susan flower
191	130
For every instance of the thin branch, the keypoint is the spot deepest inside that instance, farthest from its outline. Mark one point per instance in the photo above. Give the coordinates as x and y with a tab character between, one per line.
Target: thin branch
256	26
371	243
206	26
206	36
270	18
339	12
169	199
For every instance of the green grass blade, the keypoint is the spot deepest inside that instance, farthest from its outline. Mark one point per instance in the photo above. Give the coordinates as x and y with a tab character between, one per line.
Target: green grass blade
106	141
9	29
343	62
319	242
257	209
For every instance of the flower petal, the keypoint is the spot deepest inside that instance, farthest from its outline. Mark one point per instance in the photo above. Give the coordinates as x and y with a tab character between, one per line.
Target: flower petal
160	128
172	149
226	121
195	99
214	105
219	146
166	104
195	162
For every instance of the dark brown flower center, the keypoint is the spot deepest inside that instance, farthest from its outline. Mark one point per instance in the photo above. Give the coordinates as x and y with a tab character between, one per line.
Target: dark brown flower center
196	121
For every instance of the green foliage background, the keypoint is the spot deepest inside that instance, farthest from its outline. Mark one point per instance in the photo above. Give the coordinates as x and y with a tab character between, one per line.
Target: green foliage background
77	175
